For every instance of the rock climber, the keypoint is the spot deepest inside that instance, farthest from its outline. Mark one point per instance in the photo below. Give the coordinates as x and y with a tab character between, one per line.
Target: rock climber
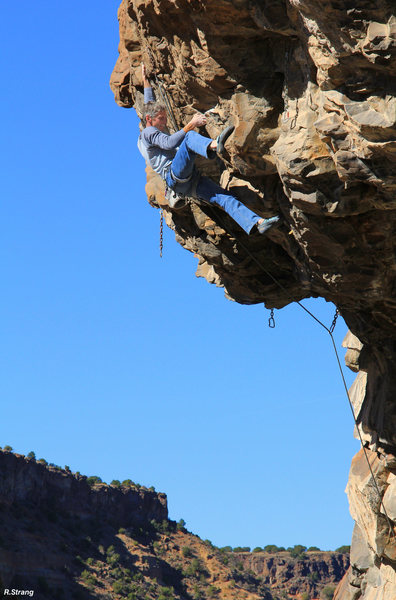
173	157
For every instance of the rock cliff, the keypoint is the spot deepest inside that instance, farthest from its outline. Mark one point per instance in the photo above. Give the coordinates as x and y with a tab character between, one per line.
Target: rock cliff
63	536
308	574
310	87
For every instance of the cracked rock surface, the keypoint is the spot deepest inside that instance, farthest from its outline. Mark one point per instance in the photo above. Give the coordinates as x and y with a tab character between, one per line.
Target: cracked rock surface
310	86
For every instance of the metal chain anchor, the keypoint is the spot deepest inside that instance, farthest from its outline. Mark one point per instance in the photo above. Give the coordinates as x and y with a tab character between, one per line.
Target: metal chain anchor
332	326
271	320
161	240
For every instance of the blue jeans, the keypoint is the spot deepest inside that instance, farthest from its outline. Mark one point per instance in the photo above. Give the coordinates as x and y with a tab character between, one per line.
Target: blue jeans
182	167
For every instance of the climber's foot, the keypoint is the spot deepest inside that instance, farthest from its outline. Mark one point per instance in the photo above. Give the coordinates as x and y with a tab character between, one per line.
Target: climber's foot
265	225
222	138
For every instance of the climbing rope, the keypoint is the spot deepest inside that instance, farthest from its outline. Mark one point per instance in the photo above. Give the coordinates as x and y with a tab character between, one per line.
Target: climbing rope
330	331
165	101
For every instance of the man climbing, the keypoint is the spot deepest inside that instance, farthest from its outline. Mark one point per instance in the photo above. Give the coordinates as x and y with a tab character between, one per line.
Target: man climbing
173	157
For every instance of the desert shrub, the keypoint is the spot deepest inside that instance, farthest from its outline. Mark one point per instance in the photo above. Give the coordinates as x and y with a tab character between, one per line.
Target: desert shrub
271	548
158	549
93	479
162	527
116	483
313	549
118	587
128	482
181	525
42	461
113	559
257	549
187	552
122	530
226	549
242	549
297	551
117	573
344	549
314	576
166	594
195	569
31	454
8	448
213	591
88	578
327	592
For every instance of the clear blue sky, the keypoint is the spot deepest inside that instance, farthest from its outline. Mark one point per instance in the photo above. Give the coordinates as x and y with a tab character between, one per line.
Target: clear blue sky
123	365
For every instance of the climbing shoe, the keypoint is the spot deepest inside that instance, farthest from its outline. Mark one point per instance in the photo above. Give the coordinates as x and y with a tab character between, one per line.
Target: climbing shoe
223	137
267	224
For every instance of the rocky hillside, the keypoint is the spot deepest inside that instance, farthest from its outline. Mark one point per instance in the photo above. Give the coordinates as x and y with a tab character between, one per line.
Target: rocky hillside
307	574
310	86
63	536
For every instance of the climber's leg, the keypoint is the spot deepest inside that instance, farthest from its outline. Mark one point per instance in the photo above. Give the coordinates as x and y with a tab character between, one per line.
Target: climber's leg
214	194
193	144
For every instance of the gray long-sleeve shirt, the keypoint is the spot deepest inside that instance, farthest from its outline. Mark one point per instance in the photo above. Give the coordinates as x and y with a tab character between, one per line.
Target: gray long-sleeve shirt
158	148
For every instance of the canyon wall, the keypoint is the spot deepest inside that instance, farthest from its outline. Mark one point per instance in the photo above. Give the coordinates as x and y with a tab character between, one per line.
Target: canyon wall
310	86
307	574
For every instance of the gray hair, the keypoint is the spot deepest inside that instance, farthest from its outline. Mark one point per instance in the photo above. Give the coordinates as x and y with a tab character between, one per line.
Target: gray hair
151	109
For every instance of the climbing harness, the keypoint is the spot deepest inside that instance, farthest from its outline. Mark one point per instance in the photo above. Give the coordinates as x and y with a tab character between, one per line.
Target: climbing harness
271	320
174	200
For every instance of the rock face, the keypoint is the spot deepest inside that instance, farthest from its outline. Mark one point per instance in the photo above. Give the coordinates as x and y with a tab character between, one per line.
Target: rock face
309	574
310	87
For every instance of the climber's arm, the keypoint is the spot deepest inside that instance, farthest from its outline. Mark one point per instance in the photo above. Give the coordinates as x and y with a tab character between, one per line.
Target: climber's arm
149	95
154	137
174	140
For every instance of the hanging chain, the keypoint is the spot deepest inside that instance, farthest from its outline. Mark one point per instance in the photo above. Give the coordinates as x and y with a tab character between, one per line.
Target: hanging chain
332	326
271	320
161	240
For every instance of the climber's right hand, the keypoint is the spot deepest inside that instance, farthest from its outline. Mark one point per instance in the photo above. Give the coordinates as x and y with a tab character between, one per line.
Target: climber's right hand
198	120
146	82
